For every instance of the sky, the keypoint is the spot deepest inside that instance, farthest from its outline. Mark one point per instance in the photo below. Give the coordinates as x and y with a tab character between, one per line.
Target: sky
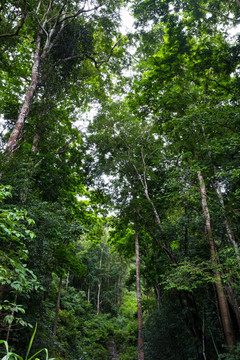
127	21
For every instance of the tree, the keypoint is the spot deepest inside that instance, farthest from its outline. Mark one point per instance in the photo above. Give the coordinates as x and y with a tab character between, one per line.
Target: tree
52	26
206	85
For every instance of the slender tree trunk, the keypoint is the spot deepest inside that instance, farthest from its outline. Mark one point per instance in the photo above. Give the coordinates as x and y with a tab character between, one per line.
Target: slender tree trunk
223	305
147	296
219	194
139	298
99	283
88	295
186	232
10	325
17	130
57	308
98	295
227	225
109	275
157	294
203	338
165	245
231	297
118	290
67	279
143	180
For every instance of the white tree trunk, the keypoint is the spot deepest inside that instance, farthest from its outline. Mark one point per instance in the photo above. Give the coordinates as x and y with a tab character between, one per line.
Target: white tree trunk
17	130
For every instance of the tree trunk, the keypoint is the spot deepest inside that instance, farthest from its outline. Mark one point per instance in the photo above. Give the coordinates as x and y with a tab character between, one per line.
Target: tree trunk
233	303
217	188
157	294
186	233
139	298
227	225
223	305
219	194
17	130
99	283
57	308
143	180
67	279
98	295
119	291
112	349
10	325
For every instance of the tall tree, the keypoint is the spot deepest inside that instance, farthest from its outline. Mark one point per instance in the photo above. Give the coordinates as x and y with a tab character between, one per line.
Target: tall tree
64	36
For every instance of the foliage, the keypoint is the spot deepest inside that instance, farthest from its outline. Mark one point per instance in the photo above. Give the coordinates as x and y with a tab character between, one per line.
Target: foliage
15	276
232	354
151	132
12	356
189	276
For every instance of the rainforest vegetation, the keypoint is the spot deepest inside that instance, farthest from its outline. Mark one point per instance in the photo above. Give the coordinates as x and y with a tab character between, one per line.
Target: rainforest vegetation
120	179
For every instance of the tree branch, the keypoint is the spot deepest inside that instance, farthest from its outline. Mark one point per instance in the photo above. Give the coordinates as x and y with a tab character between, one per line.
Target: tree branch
86	55
220	85
19	26
65	146
81	11
99	63
217	12
60	151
